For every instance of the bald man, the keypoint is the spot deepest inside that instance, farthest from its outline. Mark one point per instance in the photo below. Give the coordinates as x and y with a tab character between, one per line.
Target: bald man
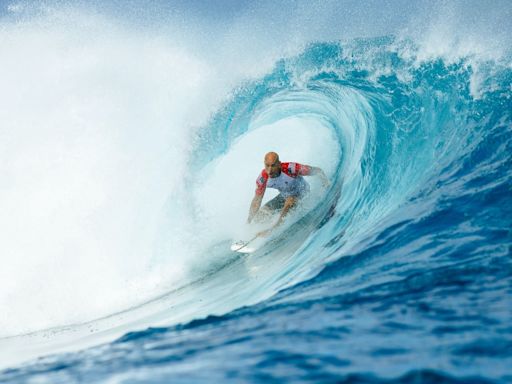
287	179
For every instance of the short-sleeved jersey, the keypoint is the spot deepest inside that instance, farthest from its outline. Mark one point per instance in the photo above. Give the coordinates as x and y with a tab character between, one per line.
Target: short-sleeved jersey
289	183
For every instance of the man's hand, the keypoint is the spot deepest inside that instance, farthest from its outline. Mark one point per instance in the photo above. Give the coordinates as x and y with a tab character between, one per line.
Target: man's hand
325	182
323	178
265	233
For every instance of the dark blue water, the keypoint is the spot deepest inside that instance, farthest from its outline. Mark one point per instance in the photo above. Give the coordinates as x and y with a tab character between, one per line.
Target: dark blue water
401	273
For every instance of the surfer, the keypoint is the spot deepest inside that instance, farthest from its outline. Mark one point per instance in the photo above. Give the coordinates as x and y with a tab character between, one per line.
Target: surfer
287	179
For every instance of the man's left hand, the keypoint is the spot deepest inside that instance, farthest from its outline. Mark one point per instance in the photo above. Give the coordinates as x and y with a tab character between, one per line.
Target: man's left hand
264	233
325	181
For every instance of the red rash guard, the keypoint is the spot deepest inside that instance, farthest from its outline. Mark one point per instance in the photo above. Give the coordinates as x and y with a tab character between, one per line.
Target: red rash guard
289	182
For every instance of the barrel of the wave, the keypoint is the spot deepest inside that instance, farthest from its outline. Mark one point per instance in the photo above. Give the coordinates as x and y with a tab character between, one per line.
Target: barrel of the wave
276	215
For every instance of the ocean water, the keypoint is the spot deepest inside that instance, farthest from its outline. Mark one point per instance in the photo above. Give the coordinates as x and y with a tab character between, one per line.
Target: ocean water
131	134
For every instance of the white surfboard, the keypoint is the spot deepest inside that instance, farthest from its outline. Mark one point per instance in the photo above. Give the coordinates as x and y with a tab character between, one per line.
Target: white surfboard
247	246
242	247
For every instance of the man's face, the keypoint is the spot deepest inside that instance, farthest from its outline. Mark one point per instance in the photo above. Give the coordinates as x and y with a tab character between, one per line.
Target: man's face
273	167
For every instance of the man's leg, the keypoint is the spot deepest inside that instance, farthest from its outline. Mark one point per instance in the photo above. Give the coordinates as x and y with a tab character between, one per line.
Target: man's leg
270	208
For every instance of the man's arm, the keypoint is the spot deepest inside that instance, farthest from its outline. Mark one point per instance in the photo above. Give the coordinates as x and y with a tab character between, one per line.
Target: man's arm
316	171
255	206
289	203
308	170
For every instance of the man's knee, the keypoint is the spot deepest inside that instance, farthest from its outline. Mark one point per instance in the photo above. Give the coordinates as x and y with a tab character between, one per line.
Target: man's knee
263	214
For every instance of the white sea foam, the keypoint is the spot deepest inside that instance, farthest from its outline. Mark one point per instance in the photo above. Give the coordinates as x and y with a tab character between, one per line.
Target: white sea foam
93	120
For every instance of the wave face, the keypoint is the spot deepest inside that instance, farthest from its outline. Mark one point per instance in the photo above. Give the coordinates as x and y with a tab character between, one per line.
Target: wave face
123	201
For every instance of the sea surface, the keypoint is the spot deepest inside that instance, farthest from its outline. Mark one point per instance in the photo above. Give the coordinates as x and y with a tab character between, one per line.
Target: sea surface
131	136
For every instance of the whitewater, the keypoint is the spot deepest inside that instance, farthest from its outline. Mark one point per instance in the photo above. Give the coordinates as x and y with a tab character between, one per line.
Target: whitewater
131	136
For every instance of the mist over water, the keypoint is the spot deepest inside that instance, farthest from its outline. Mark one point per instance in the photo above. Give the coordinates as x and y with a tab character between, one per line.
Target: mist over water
131	137
88	164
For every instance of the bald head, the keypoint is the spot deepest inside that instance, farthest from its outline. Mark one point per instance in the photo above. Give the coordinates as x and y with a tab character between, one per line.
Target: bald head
271	157
272	164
